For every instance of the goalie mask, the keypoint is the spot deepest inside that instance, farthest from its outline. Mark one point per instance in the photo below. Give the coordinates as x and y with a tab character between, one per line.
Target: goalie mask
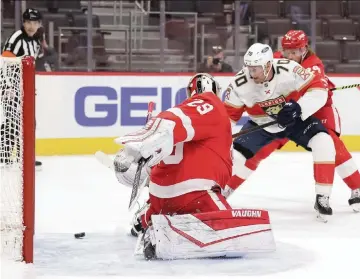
201	83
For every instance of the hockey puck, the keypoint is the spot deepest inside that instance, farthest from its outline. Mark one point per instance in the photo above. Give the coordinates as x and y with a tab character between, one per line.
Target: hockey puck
79	235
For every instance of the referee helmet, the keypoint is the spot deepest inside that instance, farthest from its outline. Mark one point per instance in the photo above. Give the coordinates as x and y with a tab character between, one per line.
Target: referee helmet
32	15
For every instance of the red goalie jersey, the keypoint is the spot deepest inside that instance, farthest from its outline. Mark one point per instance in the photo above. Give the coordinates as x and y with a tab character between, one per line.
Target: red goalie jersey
202	144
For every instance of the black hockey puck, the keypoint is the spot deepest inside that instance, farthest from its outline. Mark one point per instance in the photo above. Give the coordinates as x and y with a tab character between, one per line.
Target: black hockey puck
79	235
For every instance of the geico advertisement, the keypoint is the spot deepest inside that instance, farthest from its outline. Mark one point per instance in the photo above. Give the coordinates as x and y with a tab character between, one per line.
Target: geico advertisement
109	106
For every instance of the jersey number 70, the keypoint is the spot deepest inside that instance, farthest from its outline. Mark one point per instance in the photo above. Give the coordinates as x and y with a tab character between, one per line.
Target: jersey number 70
241	78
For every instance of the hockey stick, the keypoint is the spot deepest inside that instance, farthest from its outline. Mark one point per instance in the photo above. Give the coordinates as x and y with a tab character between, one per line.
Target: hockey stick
256	128
136	184
345	87
105	160
109	163
253	129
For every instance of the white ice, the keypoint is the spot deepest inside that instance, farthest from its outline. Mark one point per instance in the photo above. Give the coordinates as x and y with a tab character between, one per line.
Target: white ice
77	194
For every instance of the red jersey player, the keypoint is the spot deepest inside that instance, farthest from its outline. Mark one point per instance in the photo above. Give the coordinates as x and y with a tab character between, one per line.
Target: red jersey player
188	148
295	47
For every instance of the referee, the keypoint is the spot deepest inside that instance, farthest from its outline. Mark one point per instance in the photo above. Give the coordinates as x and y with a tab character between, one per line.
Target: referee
24	42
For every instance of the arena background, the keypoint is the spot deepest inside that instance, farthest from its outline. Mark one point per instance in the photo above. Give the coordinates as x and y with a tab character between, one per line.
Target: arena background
80	113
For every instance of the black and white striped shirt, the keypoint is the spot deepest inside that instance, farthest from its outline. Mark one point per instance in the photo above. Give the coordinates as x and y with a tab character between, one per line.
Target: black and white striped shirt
20	44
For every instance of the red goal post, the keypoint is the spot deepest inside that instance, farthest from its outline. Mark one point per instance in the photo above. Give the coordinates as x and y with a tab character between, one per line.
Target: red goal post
17	157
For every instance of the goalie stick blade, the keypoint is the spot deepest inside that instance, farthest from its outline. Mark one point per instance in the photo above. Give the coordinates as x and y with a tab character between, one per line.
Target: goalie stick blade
136	185
105	160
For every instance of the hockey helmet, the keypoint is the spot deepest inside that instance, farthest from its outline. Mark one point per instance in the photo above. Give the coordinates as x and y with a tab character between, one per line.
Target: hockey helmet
259	55
200	83
294	39
32	15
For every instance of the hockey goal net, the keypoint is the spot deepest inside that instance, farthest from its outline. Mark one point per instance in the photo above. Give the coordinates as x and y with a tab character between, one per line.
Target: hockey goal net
17	157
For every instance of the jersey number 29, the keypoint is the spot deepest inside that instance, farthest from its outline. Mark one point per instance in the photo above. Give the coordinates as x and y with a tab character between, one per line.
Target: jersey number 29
201	106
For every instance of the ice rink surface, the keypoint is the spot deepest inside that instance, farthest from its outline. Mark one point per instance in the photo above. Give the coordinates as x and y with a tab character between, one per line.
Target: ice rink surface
77	194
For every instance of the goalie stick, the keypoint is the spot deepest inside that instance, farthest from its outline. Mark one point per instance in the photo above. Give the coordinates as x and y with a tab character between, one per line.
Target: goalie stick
136	184
108	162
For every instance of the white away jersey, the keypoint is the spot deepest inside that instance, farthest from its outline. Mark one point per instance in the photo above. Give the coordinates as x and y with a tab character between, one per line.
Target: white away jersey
264	101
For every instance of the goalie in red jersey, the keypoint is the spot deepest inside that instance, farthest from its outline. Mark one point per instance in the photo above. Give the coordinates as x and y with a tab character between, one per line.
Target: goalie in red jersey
295	46
188	148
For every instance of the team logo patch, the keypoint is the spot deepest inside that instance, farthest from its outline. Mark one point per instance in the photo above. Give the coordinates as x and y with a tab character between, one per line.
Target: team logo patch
273	106
265	49
302	72
227	92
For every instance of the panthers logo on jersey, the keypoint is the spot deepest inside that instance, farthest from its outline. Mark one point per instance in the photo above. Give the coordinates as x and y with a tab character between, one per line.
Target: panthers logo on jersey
273	106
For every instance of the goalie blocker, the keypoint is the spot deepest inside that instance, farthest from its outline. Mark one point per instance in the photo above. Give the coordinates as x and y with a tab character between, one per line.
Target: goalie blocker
226	233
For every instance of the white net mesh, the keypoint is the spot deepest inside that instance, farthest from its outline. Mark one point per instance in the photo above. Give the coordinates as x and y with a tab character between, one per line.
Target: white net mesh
11	154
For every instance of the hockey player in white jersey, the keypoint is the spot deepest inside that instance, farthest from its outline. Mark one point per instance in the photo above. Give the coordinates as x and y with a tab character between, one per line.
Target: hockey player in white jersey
279	89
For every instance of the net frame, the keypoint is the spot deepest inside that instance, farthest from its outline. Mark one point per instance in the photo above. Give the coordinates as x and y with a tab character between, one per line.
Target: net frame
28	158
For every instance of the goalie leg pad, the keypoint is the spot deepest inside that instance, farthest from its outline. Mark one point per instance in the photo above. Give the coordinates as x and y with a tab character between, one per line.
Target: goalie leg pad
193	202
227	233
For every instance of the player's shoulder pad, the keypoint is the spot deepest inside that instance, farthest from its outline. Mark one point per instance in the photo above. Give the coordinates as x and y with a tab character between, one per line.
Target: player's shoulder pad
286	63
207	102
314	60
209	97
291	68
241	84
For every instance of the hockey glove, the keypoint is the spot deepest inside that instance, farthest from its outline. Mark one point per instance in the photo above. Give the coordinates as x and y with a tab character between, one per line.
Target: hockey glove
125	169
155	141
288	114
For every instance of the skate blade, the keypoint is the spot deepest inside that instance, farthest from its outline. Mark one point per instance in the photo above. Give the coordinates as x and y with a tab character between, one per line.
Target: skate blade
356	207
322	218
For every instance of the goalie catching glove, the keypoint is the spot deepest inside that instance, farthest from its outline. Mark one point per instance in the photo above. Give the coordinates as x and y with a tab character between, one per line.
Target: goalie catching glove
124	175
153	142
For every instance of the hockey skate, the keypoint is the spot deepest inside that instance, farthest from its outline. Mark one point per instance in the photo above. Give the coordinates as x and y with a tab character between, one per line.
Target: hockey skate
136	222
149	249
354	200
136	226
323	208
144	246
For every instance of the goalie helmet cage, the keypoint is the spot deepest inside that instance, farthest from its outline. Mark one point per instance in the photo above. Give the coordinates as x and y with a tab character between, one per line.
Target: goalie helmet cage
17	159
